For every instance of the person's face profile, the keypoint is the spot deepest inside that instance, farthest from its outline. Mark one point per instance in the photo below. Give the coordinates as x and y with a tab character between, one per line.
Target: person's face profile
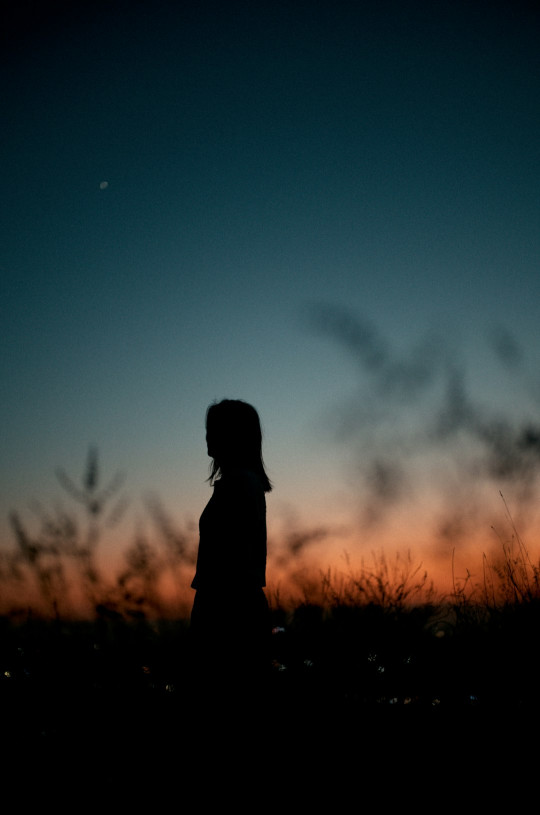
212	441
209	447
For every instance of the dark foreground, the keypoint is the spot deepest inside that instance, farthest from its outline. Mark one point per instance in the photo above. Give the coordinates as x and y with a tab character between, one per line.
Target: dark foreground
91	714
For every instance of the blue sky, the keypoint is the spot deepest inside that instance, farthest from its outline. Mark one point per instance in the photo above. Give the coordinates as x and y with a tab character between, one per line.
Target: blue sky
262	162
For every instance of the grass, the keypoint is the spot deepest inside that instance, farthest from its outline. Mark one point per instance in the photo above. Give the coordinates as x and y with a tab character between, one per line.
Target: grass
380	636
372	651
376	679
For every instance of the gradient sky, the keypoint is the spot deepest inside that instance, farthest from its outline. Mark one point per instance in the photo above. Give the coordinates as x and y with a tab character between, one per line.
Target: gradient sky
329	209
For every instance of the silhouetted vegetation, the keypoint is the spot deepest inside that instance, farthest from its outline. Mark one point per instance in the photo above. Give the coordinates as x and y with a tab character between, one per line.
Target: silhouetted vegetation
56	571
376	642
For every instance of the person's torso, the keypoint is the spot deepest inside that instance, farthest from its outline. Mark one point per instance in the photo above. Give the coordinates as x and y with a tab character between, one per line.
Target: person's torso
232	533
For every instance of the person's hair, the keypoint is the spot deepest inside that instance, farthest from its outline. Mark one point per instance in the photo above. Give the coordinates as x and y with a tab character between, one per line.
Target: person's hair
235	429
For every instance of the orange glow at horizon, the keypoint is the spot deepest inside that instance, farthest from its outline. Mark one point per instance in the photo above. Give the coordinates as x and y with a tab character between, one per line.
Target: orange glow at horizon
305	564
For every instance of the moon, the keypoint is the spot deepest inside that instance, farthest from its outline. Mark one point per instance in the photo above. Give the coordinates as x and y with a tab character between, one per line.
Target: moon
103	185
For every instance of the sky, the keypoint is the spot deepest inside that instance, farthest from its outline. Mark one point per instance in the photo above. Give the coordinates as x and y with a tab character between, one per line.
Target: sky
328	209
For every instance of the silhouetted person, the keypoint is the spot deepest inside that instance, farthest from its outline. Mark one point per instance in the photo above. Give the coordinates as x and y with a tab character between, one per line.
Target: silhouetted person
230	621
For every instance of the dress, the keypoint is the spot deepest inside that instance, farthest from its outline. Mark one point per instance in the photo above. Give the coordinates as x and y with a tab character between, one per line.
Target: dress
230	617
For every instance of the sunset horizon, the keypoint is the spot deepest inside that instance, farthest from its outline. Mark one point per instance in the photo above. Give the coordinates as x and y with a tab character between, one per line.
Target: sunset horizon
142	558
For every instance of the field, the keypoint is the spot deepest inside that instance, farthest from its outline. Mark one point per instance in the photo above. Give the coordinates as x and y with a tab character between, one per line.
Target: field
375	688
352	689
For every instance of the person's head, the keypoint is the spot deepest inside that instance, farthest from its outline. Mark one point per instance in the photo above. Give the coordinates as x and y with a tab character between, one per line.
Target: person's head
234	439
